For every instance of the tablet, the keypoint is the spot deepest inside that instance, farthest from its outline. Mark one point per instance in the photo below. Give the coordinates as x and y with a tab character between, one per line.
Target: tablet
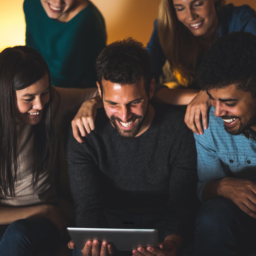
122	239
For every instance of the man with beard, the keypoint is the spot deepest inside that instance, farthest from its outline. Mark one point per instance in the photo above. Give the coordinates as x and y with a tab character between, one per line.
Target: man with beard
137	168
226	222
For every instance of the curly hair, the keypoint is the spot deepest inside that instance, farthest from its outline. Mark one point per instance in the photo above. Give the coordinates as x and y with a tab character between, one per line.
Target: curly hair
230	60
124	62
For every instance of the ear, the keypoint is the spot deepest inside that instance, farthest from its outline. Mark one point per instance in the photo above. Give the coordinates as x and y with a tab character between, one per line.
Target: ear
99	90
151	88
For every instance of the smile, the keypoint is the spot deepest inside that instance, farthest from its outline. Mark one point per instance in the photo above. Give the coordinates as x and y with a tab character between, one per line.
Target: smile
126	124
229	120
196	25
34	113
56	9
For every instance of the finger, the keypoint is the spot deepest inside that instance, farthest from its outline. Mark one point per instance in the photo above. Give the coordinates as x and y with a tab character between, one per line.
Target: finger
190	120
140	253
247	210
156	251
91	123
95	248
205	113
197	120
110	249
86	125
76	133
71	245
87	250
82	128
104	249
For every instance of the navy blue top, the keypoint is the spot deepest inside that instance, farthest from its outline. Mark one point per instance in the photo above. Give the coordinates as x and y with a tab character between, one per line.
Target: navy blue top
70	49
231	19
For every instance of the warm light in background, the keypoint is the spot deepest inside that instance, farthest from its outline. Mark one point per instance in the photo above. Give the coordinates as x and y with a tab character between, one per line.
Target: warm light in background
123	18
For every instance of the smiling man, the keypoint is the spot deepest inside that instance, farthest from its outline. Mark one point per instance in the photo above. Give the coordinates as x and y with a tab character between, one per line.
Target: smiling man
137	168
226	222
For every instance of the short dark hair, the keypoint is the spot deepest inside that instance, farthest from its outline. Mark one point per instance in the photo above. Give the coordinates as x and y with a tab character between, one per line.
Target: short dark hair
124	62
230	60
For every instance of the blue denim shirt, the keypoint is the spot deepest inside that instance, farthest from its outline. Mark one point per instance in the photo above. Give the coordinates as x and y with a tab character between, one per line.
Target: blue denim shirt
230	18
220	154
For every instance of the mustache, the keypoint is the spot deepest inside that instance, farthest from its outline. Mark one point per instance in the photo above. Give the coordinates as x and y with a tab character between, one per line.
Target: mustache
228	117
133	118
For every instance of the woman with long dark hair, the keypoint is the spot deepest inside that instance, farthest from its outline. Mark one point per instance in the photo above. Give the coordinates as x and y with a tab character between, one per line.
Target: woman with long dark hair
31	115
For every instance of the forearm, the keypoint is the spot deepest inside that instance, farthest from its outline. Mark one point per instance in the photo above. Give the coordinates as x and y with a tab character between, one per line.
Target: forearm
213	189
11	214
175	96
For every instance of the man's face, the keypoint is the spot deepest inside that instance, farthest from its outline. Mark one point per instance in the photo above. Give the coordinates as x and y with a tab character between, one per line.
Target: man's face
125	105
237	108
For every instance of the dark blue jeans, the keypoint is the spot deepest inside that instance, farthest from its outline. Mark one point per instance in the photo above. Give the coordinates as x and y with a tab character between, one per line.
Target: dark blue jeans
24	237
223	229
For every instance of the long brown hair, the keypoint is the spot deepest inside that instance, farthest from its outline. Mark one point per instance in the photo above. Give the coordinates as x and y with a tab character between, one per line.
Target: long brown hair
20	67
179	45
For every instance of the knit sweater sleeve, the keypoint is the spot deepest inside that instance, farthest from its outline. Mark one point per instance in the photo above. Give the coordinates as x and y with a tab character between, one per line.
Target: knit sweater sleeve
182	187
85	184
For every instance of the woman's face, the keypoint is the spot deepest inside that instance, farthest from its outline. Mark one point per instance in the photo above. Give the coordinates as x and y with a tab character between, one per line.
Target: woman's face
56	8
199	16
31	101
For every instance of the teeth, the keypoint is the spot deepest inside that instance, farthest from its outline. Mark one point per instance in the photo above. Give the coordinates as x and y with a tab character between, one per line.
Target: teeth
126	124
55	8
34	113
229	120
195	24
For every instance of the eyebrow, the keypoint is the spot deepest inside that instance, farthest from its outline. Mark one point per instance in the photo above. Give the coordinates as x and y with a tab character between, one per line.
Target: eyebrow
112	102
222	100
29	95
182	4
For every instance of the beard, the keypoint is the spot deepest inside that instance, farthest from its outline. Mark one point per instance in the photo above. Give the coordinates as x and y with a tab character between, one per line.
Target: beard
136	127
242	127
128	133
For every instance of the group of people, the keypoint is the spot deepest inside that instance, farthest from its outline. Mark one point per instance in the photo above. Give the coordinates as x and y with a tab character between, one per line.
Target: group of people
132	160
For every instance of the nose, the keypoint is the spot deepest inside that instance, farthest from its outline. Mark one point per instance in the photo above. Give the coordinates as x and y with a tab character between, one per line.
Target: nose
37	104
219	110
57	2
124	113
191	14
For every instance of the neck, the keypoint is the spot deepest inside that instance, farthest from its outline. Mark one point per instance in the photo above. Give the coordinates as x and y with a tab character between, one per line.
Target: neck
147	121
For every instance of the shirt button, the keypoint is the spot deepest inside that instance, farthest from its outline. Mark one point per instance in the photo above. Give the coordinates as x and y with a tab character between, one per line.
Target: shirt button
231	161
248	161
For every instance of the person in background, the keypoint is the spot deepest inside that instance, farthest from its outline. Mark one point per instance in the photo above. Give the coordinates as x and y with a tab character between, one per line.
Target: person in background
226	221
32	113
69	34
183	33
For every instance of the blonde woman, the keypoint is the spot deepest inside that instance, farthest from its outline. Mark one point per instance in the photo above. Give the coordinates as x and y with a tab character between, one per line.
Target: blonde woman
183	32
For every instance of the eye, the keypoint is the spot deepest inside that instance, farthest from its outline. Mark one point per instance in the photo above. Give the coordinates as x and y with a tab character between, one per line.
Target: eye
178	9
45	93
231	104
135	102
198	4
28	100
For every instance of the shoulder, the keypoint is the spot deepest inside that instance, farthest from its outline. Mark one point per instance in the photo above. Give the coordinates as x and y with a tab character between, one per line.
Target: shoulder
237	17
170	119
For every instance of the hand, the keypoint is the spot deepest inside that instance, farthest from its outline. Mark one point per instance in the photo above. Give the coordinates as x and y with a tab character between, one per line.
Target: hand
240	192
197	110
83	122
170	247
93	248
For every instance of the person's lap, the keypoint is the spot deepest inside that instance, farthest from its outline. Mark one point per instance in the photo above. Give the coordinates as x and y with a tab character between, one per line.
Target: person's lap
26	236
223	229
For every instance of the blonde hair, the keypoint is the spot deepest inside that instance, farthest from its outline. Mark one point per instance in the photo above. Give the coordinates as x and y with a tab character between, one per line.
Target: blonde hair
179	45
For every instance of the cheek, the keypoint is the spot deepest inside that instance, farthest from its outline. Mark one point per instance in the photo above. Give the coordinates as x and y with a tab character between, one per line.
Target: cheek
22	107
111	111
181	17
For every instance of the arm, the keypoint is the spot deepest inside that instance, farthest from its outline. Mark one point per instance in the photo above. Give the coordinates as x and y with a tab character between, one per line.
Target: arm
11	214
215	182
85	184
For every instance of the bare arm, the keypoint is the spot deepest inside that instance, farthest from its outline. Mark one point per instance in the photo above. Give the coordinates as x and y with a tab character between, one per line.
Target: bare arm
240	192
10	214
175	96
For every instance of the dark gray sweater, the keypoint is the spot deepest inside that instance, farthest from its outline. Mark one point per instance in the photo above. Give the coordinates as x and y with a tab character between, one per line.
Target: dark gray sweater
155	170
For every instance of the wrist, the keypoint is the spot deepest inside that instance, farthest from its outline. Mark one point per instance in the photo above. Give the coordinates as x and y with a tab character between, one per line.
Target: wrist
96	102
177	240
222	185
